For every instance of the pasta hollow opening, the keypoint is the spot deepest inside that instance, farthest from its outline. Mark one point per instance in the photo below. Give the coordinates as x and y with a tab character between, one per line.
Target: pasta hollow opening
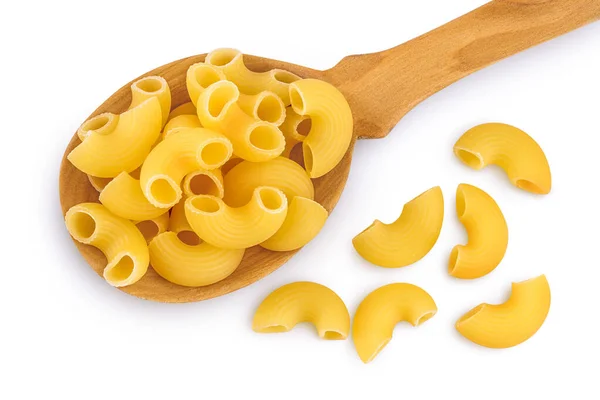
469	315
270	109
308	158
297	101
214	154
163	192
189	237
303	128
274	329
473	160
332	335
148	228
270	199
220	98
265	137
424	318
82	226
206	204
461	205
95	123
121	270
284	76
149	85
222	57
203	184
453	260
529	186
205	76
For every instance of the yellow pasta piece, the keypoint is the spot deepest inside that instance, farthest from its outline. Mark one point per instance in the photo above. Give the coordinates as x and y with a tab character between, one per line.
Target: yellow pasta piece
204	182
382	309
121	242
237	228
299	302
280	172
409	238
101	124
487	230
265	106
199	77
123	196
305	219
228	166
179	225
191	266
152	86
175	157
179	123
511	323
231	62
252	139
511	149
100	183
107	154
185	109
151	228
294	128
331	124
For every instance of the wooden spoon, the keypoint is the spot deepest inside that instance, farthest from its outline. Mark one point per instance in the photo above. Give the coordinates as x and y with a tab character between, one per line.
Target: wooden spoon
380	87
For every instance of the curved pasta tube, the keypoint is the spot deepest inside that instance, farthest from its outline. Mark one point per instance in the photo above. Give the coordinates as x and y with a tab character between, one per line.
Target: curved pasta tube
282	173
294	128
191	266
152	86
229	164
123	196
204	182
265	106
101	124
237	228
106	155
121	242
299	302
185	109
252	139
511	149
151	228
199	77
231	62
172	159
179	123
409	238
331	124
100	183
179	225
487	230
382	309
305	219
509	324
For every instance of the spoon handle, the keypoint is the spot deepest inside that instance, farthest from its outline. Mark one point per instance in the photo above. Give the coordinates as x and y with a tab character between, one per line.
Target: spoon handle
382	87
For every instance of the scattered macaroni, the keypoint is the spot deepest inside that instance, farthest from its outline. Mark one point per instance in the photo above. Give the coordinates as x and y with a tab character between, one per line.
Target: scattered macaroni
299	302
331	129
511	149
181	122
382	309
294	128
151	228
237	228
204	182
487	230
409	238
152	86
121	242
123	197
509	324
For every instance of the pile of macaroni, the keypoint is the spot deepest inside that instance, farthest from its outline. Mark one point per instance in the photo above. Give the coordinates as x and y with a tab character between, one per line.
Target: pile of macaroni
188	190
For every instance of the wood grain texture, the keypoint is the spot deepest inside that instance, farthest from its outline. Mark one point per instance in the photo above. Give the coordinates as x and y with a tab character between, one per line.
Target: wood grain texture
381	88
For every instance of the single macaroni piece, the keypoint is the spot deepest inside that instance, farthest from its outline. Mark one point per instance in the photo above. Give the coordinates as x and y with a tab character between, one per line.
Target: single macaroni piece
191	266
409	238
204	182
151	228
509	148
231	62
237	228
107	154
331	124
185	109
487	230
121	242
199	77
123	196
509	324
305	219
282	173
252	139
181	122
152	86
101	124
382	309
294	128
175	157
265	106
179	225
299	302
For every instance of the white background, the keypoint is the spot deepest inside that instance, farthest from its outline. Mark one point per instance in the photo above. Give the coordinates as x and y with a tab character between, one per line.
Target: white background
67	334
